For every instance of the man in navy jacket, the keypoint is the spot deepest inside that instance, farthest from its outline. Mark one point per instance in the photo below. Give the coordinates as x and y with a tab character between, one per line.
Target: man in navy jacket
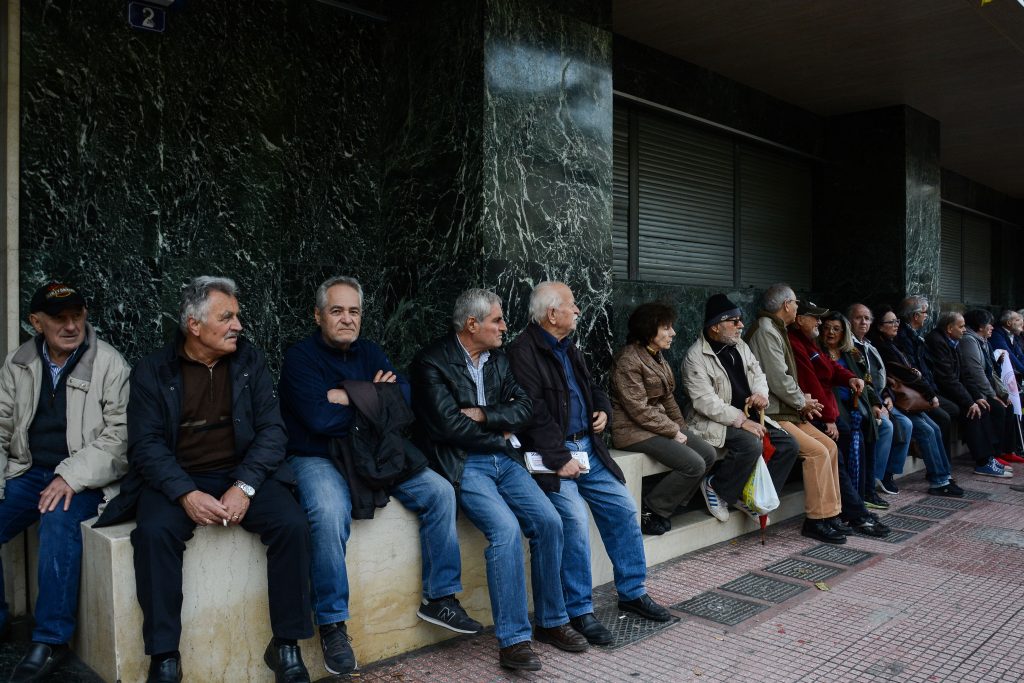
205	443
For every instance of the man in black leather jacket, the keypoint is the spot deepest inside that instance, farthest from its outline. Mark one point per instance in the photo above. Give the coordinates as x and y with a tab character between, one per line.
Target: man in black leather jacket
468	407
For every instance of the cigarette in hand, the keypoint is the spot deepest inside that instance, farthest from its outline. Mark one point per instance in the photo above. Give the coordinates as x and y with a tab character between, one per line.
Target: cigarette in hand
224	522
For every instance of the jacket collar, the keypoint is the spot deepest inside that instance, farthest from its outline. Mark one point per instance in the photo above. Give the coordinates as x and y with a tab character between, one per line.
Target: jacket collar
27	353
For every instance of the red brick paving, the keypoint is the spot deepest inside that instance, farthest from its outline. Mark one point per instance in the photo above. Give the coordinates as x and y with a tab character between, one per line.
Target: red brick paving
945	605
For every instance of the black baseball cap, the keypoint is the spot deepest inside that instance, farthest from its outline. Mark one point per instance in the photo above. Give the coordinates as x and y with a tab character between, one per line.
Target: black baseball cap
804	307
54	297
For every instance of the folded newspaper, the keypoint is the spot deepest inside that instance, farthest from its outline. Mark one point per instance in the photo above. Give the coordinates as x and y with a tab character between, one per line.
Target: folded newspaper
535	463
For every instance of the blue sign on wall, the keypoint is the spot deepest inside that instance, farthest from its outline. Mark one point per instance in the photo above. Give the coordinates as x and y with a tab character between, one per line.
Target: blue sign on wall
146	17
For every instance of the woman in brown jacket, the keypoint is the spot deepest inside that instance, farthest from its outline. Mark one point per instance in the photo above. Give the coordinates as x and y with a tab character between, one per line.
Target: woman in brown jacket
647	418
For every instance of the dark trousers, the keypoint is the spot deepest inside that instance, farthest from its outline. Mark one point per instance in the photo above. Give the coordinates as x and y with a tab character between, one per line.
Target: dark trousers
743	449
689	463
944	416
849	493
865	480
979	436
159	538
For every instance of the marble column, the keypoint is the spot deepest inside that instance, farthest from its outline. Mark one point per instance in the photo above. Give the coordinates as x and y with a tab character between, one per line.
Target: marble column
878	214
10	68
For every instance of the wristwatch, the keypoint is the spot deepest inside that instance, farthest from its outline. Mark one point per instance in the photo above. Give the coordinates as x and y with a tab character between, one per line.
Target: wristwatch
246	489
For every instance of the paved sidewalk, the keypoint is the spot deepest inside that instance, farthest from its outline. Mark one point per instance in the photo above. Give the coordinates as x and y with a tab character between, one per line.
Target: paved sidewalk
942	600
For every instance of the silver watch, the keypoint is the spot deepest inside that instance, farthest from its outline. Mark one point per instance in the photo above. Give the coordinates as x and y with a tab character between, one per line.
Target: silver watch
246	489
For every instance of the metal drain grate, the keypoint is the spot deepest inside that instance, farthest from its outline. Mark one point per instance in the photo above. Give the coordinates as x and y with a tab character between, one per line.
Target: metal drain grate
894	536
1007	537
837	554
720	608
925	511
627	627
798	569
907	523
976	495
764	588
947	503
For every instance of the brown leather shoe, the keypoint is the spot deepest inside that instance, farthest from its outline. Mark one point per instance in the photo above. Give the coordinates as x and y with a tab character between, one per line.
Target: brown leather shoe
564	637
520	657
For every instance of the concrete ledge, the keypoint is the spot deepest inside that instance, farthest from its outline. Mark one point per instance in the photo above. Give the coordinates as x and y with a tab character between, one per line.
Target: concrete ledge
224	612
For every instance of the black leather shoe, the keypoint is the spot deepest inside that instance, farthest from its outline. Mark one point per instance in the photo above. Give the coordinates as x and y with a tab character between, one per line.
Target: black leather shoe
590	628
40	660
840	525
822	530
646	608
563	637
286	661
519	657
165	671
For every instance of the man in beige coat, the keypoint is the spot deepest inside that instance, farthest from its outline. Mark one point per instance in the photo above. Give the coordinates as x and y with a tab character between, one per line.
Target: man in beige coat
727	389
63	397
792	409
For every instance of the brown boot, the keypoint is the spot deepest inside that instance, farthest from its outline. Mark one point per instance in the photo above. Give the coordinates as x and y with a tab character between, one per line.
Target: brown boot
563	637
519	656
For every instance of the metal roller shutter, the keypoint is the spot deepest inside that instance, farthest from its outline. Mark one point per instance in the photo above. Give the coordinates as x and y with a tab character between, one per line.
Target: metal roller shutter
686	205
620	194
977	260
775	199
950	256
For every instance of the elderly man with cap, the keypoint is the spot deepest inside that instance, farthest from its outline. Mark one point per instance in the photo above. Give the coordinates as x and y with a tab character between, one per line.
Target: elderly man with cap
818	375
63	398
792	409
727	387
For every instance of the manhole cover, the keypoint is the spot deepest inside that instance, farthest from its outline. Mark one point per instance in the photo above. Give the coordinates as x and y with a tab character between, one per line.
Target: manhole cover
976	495
627	627
720	608
1007	537
894	536
837	554
925	511
908	523
947	503
764	588
798	569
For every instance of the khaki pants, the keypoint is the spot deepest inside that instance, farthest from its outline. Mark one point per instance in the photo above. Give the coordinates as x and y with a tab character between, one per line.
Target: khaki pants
820	457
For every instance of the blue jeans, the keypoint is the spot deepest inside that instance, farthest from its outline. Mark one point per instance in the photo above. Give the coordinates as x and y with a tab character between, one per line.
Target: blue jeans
60	550
324	495
500	498
894	458
616	518
929	440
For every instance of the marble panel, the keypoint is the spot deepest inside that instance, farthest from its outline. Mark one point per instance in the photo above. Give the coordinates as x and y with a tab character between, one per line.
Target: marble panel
547	179
243	141
923	204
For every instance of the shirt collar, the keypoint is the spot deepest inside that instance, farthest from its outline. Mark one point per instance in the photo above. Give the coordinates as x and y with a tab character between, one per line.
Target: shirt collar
45	350
484	355
555	344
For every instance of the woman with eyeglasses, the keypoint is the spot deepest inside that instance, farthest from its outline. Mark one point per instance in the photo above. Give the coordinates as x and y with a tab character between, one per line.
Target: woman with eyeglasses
925	432
648	419
978	373
836	340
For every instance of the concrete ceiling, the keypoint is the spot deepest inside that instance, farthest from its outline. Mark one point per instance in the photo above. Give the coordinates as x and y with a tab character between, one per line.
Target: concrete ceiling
954	60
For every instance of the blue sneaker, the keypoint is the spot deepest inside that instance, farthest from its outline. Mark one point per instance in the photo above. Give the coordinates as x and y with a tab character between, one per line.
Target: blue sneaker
716	507
992	469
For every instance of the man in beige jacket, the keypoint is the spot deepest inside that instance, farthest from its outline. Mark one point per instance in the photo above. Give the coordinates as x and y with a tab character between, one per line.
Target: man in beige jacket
792	409
727	390
63	397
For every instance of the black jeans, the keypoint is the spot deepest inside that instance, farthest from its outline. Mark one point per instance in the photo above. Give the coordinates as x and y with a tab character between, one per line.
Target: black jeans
743	447
159	538
853	504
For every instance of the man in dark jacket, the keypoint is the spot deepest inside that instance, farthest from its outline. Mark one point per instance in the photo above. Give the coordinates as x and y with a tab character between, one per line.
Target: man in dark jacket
205	438
569	414
315	411
975	418
469	406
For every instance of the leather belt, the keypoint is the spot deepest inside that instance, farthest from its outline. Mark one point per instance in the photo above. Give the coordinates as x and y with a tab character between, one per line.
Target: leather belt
577	436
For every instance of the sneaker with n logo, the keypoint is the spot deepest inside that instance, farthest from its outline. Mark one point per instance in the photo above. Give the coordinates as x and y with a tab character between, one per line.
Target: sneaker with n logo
447	612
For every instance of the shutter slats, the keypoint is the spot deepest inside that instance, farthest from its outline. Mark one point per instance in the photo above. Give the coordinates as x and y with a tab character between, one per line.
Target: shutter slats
977	260
620	194
950	276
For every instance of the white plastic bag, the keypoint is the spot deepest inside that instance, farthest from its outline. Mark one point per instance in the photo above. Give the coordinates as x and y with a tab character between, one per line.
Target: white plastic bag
759	492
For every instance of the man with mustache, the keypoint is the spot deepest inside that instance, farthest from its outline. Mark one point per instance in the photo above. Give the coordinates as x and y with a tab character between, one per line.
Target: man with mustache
316	410
206	444
63	397
570	411
725	382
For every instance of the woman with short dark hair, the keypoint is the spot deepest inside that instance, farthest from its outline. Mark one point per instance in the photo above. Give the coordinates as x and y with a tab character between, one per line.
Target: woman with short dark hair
647	418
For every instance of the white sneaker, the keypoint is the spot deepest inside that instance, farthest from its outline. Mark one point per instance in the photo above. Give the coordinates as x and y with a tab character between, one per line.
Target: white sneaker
742	507
716	507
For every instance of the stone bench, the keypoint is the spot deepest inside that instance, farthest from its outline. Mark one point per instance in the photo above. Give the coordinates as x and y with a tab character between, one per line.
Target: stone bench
224	614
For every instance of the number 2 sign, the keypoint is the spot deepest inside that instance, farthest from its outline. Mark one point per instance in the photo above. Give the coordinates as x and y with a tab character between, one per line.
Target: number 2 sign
146	17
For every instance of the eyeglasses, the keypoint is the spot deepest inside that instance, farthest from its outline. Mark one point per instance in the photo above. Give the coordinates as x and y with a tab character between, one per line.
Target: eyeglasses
890	322
734	321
